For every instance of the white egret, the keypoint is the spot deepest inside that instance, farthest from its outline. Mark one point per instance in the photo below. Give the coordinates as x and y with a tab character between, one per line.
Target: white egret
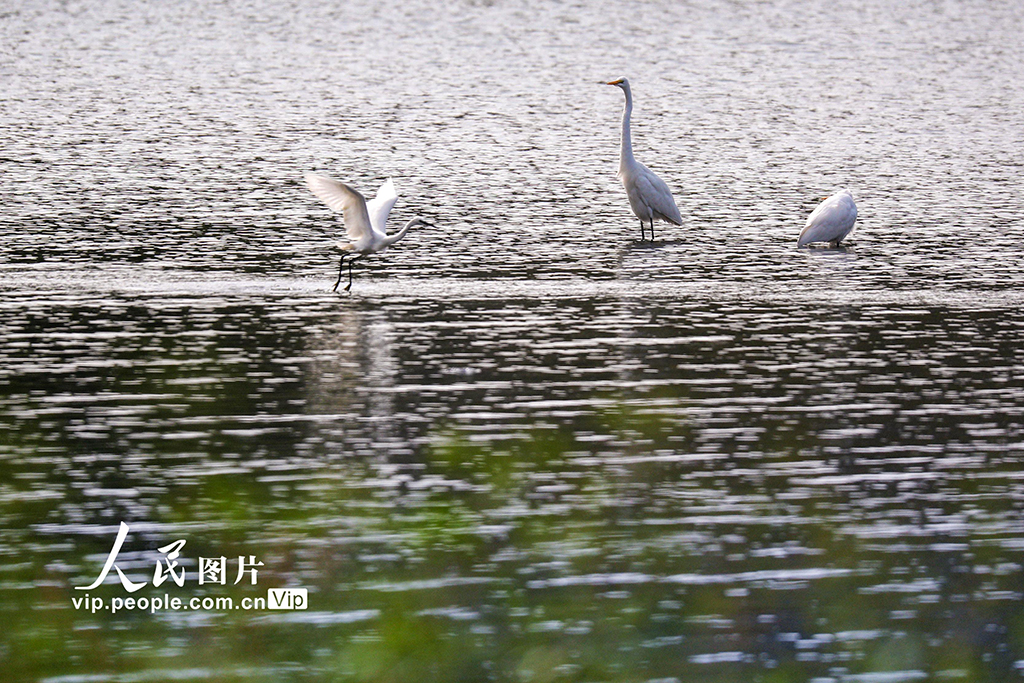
649	196
364	221
831	221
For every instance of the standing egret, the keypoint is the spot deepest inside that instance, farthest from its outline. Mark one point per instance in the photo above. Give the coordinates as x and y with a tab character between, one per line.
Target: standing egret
649	196
364	221
831	221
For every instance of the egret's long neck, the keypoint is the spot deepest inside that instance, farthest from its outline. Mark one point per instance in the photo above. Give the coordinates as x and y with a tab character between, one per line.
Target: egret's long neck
391	239
626	150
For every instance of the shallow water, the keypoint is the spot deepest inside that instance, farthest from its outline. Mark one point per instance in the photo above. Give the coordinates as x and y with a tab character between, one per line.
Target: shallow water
526	446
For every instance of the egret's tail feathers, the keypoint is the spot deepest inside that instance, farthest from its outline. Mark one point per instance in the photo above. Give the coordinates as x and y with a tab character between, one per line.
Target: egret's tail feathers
674	219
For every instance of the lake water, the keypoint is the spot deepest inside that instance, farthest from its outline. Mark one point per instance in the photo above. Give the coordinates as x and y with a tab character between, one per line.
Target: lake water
526	446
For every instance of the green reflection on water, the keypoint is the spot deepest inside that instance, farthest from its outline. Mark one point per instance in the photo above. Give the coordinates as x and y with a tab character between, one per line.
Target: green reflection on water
603	542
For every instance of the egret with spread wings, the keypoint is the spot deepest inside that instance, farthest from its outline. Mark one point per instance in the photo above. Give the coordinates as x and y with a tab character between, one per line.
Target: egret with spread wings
364	221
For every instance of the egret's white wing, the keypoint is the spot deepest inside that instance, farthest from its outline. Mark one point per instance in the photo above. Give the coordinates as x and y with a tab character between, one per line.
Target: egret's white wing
831	221
380	206
345	199
657	195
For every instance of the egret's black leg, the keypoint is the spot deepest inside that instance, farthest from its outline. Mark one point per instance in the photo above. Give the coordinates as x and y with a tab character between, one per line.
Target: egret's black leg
350	272
652	229
642	235
341	269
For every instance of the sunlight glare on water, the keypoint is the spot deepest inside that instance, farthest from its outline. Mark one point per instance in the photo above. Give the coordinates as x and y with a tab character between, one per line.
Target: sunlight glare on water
526	446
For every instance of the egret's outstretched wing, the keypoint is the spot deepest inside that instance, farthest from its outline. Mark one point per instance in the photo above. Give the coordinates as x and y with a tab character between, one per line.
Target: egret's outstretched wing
380	206
345	199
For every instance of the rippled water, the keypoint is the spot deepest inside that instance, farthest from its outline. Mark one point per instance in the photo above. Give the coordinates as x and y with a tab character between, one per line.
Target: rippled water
527	446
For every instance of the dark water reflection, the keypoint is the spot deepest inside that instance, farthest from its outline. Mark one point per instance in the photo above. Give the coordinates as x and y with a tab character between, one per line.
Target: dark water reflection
527	447
548	485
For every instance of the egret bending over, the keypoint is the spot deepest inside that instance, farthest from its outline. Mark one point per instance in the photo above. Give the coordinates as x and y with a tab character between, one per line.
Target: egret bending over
831	221
649	196
364	221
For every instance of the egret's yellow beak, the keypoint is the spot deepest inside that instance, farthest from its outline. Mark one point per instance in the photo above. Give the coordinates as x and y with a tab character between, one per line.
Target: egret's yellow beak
614	82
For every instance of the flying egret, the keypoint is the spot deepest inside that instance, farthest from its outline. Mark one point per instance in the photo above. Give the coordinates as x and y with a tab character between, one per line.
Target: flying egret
649	196
364	221
831	221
